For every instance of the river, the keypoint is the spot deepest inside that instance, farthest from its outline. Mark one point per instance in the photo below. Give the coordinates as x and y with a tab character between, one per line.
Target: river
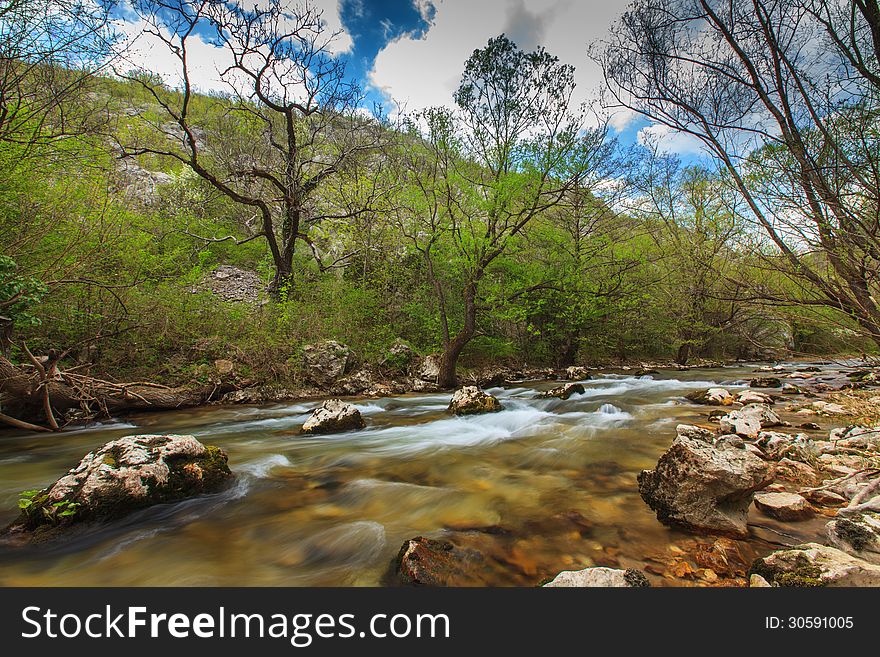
543	486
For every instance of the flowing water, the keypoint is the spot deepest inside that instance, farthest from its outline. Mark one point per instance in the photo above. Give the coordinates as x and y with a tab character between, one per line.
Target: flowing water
543	486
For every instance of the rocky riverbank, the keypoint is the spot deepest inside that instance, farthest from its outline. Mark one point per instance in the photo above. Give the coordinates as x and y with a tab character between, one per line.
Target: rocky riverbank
535	483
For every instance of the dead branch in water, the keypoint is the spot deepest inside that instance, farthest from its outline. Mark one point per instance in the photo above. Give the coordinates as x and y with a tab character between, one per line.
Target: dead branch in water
34	396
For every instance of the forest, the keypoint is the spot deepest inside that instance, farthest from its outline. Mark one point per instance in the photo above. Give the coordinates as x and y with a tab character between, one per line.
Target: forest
505	227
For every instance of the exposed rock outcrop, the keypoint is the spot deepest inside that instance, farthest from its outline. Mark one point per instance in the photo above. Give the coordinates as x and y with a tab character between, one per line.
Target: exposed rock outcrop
327	361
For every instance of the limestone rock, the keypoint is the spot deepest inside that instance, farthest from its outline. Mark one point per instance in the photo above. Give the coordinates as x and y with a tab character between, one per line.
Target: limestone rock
600	577
702	487
577	373
812	564
334	416
766	382
858	535
126	474
326	361
711	397
564	391
787	507
749	420
470	400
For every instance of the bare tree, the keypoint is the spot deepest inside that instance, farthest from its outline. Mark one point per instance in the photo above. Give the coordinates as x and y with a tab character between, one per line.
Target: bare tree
284	84
783	95
49	51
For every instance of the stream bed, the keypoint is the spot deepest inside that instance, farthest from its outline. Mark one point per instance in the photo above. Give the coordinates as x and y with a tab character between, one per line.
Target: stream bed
543	486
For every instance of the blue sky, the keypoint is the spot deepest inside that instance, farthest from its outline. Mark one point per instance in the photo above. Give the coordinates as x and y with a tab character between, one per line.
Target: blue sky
411	52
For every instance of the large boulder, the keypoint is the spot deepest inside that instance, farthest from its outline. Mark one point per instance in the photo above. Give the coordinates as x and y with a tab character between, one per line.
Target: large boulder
470	400
711	397
564	391
428	562
788	507
816	565
124	475
858	535
334	416
704	487
600	577
326	361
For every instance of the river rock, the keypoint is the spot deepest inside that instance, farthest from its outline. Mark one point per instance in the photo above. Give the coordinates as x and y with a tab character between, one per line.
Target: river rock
711	397
600	577
812	564
577	373
774	442
858	535
470	400
790	389
827	408
694	432
753	397
749	420
428	562
856	437
702	487
825	497
326	361
564	391
788	507
124	475
766	382
797	472
758	582
333	416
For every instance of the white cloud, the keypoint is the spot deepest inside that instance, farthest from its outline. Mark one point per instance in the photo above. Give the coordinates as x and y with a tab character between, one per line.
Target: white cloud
424	72
668	140
205	60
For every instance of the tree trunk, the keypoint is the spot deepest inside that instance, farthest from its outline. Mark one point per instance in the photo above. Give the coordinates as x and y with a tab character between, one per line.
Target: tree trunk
447	377
684	353
570	351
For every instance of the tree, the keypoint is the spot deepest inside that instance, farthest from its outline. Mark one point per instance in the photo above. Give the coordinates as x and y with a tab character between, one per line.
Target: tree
783	95
49	52
484	172
282	78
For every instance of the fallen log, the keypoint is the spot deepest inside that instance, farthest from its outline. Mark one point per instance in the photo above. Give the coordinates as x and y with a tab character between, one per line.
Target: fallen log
30	396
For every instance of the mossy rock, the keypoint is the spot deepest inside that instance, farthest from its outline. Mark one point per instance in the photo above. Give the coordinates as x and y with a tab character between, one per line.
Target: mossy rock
123	476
